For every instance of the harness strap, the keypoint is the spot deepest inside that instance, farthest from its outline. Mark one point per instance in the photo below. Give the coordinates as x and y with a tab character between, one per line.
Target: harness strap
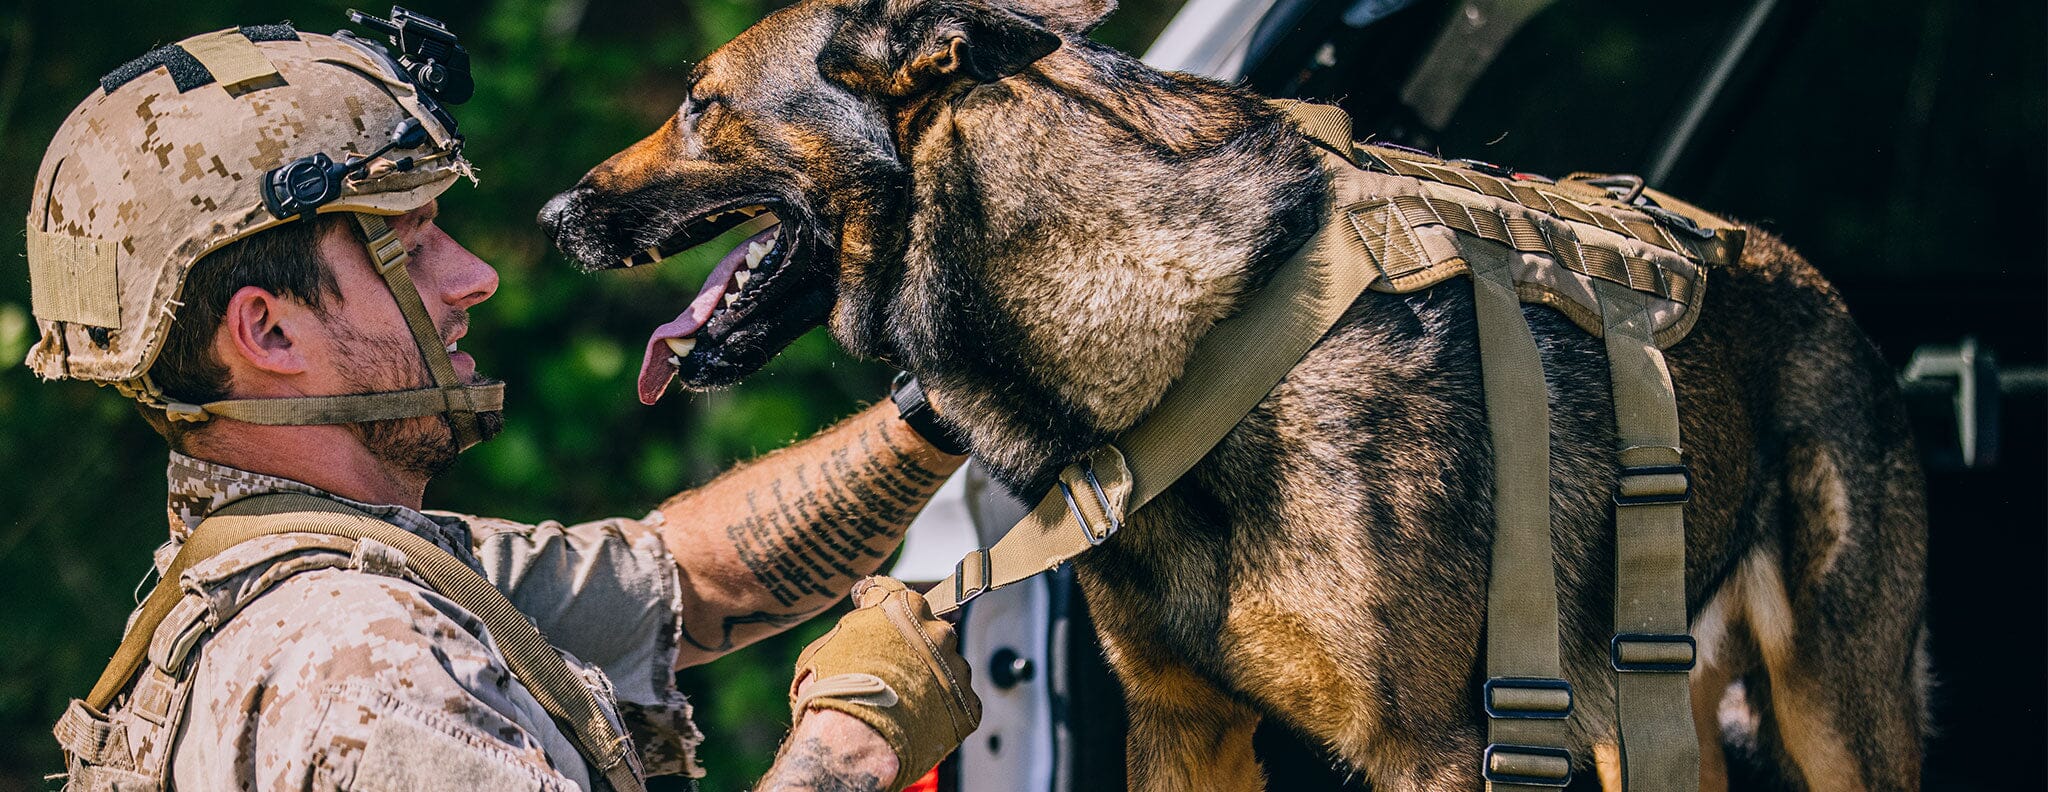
535	662
1526	698
388	252
1651	650
1304	299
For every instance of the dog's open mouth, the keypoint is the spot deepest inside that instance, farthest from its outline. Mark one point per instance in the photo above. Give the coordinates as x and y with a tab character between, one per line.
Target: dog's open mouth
732	293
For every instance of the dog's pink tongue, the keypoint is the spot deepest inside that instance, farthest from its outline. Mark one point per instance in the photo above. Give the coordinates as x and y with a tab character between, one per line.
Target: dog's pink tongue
656	372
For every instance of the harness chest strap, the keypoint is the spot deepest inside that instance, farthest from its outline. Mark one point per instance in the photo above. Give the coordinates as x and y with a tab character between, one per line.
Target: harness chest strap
1652	650
531	658
1525	697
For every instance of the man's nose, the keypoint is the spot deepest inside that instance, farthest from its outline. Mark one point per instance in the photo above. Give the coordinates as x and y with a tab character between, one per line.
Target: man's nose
468	280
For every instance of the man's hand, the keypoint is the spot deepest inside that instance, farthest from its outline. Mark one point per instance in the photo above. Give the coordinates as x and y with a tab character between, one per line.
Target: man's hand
893	666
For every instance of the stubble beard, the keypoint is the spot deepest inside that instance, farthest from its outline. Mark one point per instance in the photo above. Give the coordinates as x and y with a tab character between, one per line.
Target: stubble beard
423	446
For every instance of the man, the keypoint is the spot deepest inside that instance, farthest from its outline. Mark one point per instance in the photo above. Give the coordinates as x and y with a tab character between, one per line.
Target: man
238	231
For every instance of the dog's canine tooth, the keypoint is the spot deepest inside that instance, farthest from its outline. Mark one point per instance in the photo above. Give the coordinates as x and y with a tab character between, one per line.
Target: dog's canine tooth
680	346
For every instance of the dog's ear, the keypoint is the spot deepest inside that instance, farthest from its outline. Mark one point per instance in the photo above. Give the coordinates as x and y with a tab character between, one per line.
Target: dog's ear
974	42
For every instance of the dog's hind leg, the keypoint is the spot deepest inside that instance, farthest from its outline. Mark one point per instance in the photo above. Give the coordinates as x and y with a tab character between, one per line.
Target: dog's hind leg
1185	734
1839	627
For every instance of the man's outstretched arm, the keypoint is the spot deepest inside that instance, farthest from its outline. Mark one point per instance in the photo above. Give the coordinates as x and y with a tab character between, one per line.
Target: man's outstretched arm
773	542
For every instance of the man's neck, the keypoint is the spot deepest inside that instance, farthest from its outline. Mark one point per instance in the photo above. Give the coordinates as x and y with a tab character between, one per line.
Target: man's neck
331	458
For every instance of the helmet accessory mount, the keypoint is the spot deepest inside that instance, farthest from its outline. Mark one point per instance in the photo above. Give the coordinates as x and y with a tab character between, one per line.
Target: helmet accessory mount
302	186
427	53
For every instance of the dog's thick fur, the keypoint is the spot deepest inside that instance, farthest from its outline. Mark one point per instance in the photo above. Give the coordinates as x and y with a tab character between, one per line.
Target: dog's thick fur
1040	228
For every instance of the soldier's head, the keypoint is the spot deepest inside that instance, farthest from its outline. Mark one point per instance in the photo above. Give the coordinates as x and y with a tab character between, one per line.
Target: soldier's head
240	227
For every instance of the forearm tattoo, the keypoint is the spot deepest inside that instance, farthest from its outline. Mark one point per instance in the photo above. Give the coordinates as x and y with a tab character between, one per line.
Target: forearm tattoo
812	765
820	526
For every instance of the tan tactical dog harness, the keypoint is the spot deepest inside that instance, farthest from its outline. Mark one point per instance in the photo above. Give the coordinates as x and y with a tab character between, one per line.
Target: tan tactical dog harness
1624	263
133	751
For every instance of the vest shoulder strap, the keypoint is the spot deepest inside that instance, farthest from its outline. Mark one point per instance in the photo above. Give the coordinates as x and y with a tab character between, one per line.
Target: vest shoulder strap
532	659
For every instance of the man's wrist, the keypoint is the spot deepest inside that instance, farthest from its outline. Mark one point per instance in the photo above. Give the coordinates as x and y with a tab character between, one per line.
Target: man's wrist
915	409
832	750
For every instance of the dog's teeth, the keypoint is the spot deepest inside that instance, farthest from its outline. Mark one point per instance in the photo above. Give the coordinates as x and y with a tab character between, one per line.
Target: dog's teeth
675	361
750	211
741	277
680	346
725	301
714	218
755	252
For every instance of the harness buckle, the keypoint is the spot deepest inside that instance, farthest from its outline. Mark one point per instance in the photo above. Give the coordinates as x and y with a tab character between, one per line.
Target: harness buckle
1088	530
1642	485
1529	765
1653	652
1526	698
1677	222
962	592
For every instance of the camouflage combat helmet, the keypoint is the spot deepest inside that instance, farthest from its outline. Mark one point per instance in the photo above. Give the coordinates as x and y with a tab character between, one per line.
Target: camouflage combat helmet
221	136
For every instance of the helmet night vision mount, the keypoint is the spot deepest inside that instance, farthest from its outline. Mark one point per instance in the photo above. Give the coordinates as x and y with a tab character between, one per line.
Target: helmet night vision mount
430	60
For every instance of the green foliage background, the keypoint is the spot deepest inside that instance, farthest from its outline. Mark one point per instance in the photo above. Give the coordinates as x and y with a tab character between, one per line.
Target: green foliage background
561	84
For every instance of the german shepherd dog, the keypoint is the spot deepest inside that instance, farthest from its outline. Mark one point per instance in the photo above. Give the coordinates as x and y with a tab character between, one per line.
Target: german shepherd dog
1040	228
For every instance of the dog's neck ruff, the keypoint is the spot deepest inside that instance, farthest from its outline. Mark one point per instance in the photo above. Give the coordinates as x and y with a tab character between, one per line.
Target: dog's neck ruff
1625	263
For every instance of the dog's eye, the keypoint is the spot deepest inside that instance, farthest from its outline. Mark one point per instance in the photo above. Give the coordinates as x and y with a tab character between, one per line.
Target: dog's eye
695	106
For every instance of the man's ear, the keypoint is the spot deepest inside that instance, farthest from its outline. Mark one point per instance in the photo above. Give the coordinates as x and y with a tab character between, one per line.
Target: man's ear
983	44
257	333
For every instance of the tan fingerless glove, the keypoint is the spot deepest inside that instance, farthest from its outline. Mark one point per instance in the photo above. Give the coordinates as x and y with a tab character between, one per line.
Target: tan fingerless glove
895	667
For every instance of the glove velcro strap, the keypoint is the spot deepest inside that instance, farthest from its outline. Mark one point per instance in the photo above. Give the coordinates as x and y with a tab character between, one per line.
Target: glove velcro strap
856	688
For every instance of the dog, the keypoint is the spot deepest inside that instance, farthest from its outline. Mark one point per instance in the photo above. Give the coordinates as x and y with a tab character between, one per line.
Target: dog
1040	228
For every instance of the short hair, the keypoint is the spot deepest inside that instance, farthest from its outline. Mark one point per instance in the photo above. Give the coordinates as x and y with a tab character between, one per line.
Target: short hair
285	261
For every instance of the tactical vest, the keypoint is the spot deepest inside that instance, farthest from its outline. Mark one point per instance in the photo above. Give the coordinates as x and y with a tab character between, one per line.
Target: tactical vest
113	743
1625	263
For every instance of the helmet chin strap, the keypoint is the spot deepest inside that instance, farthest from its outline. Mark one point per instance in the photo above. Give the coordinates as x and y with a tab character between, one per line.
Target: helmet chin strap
448	396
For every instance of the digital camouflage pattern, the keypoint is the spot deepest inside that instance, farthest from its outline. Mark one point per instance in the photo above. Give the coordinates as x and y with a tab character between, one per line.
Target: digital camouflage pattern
142	181
312	662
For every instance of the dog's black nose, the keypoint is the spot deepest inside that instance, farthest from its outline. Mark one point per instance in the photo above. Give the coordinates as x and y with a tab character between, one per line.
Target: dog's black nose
557	211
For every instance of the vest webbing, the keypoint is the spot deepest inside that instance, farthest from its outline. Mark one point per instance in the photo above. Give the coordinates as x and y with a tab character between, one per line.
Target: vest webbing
1526	698
532	659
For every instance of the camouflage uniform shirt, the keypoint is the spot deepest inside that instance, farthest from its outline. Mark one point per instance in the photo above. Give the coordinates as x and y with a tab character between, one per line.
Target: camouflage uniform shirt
358	677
